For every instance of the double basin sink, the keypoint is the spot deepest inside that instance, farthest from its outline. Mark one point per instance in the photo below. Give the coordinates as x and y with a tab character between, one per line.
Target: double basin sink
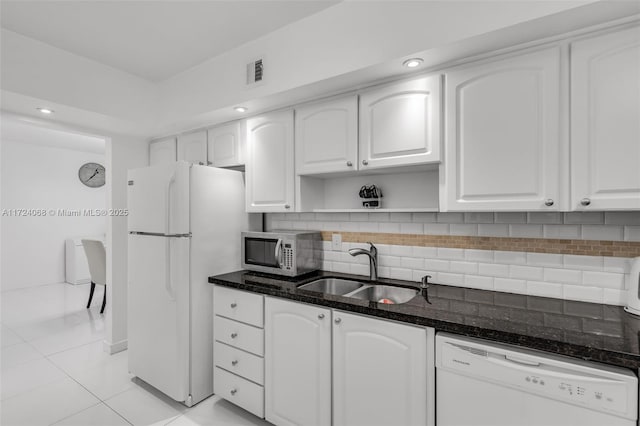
361	290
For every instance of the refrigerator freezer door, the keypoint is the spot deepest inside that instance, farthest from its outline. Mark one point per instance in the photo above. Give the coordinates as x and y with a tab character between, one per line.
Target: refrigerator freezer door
158	312
158	199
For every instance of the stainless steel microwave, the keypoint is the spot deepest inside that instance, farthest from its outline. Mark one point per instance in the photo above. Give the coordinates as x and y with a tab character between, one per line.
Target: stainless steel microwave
288	253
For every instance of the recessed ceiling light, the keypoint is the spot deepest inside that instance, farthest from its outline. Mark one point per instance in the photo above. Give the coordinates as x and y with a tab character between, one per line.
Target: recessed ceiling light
240	109
412	63
45	110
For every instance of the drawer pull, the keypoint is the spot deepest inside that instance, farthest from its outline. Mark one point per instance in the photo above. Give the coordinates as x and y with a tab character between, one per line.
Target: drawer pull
337	320
548	202
585	201
234	304
234	335
234	391
234	362
320	316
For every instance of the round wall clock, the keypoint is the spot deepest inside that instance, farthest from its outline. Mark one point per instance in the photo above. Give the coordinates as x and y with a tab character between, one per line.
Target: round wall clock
92	174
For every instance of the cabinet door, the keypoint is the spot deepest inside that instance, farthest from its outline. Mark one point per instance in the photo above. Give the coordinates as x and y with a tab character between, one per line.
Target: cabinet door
400	124
327	136
379	372
224	146
269	165
503	134
192	147
605	111
298	363
162	151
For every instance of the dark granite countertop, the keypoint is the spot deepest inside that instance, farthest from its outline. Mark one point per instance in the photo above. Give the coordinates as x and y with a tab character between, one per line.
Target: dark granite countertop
582	330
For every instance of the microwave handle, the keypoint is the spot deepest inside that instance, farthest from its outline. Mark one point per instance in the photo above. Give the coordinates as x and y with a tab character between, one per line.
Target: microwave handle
278	253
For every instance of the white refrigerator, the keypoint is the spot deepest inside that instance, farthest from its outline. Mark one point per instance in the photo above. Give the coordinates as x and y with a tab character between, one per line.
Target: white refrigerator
184	225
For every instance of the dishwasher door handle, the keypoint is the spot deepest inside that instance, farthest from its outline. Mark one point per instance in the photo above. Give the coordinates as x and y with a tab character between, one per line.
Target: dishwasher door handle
521	361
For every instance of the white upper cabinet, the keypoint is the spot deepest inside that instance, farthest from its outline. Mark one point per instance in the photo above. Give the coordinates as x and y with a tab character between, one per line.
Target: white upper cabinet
379	372
298	363
400	124
605	117
326	136
225	145
503	143
162	151
192	147
269	169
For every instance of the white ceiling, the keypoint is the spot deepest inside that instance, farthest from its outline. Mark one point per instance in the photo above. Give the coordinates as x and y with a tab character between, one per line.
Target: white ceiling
16	131
152	39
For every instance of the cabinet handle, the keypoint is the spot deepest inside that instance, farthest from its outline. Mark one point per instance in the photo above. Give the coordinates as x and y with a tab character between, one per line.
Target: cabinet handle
233	305
337	320
234	335
365	163
349	163
585	201
320	316
548	202
287	206
234	391
234	362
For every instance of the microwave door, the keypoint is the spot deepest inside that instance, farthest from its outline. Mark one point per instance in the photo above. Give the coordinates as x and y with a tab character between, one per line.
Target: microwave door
262	252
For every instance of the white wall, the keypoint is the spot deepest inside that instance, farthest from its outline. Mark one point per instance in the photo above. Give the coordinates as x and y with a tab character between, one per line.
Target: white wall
123	153
38	70
349	36
43	177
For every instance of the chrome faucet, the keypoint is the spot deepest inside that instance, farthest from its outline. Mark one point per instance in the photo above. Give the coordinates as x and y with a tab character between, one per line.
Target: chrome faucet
373	259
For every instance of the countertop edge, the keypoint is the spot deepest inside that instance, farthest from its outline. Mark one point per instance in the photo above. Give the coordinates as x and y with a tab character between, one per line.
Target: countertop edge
582	352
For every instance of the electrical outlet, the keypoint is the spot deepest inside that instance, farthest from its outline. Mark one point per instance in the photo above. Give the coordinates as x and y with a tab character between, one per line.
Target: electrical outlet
336	242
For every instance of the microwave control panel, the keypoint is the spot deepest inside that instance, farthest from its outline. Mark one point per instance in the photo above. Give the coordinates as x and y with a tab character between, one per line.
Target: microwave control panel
287	257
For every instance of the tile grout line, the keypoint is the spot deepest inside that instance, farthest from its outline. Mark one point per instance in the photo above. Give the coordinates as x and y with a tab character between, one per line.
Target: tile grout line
101	401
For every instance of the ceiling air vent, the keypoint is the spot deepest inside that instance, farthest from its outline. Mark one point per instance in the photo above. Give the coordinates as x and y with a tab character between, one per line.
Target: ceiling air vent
255	71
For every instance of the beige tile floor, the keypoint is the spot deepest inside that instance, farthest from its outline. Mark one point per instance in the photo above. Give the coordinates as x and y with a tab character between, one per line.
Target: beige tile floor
54	371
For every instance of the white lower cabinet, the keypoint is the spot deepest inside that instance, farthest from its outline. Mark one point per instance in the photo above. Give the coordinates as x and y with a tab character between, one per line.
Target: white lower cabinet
381	372
297	363
371	371
238	348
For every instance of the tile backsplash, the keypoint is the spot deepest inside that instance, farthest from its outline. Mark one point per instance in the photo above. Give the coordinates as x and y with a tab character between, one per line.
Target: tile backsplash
574	256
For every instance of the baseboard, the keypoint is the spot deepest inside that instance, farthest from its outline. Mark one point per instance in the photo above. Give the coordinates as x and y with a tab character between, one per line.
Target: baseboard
114	348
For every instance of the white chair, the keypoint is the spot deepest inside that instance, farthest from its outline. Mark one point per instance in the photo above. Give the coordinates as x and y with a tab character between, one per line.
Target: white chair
97	258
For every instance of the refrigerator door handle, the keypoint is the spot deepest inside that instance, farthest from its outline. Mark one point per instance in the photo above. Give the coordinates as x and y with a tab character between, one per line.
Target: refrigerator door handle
167	283
168	198
278	253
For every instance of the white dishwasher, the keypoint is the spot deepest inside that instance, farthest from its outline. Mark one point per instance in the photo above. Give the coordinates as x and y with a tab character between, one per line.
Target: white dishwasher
485	383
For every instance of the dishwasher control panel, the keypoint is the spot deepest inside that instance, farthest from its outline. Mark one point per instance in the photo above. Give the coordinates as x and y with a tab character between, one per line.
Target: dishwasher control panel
596	392
603	388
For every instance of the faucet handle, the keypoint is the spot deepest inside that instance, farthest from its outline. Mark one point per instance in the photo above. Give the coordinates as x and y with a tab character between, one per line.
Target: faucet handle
372	247
424	288
425	281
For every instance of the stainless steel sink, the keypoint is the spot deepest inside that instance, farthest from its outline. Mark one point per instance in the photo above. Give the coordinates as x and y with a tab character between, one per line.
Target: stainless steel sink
335	286
385	294
361	290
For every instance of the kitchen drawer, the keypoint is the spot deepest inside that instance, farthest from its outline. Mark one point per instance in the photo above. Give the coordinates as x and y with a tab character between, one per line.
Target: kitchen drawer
239	362
239	335
239	391
239	305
